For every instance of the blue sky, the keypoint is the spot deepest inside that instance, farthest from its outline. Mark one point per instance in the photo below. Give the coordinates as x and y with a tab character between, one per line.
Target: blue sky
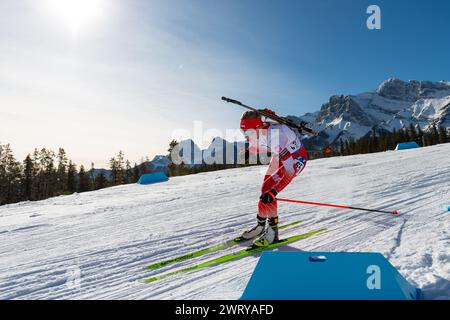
103	75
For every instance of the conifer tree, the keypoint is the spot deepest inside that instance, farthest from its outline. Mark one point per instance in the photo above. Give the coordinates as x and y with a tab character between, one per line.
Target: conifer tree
116	165
10	176
83	180
442	135
100	181
121	167
420	136
341	147
136	173
413	133
128	177
172	166
72	177
114	170
61	175
434	135
28	178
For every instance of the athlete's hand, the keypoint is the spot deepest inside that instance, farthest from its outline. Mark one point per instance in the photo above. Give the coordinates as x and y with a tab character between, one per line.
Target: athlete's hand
268	196
269	111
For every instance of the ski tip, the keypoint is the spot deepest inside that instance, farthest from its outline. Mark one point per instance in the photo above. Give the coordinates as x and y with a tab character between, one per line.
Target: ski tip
158	265
149	280
317	231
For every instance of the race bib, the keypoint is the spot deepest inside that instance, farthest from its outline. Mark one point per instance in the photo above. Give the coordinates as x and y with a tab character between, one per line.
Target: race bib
299	164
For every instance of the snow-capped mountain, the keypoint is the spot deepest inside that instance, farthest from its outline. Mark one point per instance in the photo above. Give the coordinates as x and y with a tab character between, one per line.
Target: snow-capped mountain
219	151
393	105
159	163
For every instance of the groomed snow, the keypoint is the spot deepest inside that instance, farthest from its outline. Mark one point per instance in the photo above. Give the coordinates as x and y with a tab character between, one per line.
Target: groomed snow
108	236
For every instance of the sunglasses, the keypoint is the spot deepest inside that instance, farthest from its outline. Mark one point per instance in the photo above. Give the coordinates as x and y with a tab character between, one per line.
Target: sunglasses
249	132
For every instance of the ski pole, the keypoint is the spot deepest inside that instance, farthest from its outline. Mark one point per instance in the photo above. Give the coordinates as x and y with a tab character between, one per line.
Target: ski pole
395	212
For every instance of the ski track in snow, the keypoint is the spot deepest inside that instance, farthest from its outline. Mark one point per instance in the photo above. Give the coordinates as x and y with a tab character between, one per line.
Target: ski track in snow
109	236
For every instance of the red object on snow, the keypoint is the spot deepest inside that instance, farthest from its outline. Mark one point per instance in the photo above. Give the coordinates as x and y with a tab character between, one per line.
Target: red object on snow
327	150
395	212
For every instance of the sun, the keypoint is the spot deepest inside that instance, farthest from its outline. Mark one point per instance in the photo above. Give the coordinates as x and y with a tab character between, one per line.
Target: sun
76	13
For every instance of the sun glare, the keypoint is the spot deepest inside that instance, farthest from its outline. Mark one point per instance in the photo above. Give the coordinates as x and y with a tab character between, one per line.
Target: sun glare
76	13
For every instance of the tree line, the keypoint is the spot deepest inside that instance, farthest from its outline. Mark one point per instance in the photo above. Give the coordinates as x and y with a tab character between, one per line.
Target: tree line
44	174
378	142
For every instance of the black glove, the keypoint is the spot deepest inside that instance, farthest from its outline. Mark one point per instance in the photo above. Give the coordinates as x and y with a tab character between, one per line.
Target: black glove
268	196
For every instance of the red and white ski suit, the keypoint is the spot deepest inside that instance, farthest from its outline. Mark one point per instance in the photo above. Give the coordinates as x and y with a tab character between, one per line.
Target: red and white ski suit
289	158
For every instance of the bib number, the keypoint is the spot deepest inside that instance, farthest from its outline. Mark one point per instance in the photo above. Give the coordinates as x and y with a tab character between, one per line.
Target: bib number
299	164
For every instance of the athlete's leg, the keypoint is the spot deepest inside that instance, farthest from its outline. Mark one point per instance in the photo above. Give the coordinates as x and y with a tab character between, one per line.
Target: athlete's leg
278	177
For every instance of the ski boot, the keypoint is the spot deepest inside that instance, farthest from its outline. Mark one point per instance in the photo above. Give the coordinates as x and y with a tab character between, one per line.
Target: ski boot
269	236
256	231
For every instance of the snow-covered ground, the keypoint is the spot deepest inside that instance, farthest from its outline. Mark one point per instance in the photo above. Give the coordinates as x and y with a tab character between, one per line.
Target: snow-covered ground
108	236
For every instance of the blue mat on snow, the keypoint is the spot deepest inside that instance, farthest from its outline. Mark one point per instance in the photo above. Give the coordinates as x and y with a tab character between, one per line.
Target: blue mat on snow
283	275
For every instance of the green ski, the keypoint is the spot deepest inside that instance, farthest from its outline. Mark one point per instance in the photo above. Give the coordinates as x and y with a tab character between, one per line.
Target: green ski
216	247
233	256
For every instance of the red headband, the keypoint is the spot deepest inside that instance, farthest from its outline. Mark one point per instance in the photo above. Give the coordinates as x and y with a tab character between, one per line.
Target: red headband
248	124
